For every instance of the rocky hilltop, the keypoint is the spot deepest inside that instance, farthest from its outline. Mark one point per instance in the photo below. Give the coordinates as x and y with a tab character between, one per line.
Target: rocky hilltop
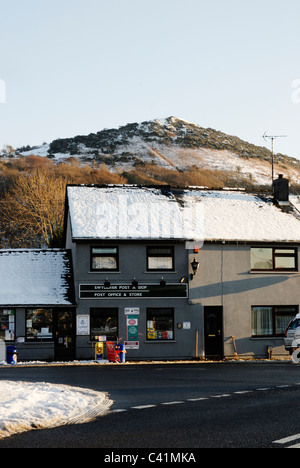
172	143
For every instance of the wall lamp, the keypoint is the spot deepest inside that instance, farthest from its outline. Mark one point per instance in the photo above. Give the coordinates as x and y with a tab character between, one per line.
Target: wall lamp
134	283
107	284
163	282
195	266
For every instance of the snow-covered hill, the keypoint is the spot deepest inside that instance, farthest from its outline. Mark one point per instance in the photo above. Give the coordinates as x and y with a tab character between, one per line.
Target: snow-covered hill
174	144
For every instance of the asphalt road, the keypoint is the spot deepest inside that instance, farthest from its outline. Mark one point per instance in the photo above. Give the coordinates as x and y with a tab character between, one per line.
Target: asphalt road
175	407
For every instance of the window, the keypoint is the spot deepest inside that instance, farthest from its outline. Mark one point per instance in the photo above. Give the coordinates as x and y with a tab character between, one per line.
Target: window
160	324
273	259
7	324
160	258
104	259
271	321
104	322
39	324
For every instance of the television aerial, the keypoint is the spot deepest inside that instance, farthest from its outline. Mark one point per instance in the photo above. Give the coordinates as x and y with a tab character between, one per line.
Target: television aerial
272	138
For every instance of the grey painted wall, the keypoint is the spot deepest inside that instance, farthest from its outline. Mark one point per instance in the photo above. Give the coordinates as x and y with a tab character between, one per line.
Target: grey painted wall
133	259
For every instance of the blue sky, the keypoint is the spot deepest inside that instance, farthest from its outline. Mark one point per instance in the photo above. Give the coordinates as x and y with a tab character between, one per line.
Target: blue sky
77	66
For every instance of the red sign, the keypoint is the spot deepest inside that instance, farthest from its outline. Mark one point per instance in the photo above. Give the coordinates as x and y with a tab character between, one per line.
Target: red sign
132	322
111	352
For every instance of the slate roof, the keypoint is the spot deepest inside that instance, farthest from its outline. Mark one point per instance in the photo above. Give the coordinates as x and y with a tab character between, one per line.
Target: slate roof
36	278
132	212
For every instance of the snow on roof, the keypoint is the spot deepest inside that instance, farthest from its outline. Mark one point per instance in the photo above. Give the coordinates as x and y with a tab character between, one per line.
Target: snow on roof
130	212
31	277
295	200
240	216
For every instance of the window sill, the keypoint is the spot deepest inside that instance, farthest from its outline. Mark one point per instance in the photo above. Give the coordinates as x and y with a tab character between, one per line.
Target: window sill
159	341
108	272
271	272
257	338
37	342
160	272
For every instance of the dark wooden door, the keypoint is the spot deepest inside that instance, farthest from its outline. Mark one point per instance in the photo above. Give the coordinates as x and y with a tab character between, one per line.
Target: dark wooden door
65	335
213	332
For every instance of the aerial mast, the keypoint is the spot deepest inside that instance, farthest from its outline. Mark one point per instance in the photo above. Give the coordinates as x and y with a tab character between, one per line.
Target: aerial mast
272	138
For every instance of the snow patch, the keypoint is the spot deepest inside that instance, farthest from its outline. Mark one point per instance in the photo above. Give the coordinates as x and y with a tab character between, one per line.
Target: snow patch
25	406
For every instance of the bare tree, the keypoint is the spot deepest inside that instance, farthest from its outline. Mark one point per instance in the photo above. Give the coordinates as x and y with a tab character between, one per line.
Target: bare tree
32	213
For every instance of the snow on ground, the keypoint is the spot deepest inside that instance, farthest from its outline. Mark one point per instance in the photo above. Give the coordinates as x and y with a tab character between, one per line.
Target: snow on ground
25	406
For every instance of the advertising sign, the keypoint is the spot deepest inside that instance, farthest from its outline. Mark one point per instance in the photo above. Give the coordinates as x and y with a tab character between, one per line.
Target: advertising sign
99	351
111	352
83	325
132	328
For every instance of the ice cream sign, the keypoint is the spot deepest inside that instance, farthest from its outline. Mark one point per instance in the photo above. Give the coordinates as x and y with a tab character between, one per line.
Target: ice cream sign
132	331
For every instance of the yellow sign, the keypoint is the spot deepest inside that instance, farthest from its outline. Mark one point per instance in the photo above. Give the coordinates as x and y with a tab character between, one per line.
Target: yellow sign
99	351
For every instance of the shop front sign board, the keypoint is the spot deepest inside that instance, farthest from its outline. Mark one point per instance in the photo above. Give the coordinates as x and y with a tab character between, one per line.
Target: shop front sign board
128	291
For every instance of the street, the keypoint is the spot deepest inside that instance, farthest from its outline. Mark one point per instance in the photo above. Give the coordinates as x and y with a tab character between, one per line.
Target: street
175	407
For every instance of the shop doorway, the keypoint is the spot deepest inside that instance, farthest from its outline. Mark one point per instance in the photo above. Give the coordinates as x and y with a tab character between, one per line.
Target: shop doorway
65	335
213	332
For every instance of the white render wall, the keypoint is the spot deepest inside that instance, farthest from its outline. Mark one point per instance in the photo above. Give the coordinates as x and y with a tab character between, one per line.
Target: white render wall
224	279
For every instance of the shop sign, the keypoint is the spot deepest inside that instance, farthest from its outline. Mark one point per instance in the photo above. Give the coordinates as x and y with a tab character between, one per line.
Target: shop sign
132	310
132	331
83	325
186	325
128	291
132	344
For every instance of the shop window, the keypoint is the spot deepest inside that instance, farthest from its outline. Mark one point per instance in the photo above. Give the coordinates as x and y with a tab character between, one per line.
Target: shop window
39	324
104	322
271	321
7	324
160	324
160	258
274	259
104	259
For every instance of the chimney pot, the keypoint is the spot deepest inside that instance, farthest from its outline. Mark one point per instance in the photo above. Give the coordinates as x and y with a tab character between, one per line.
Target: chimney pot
281	190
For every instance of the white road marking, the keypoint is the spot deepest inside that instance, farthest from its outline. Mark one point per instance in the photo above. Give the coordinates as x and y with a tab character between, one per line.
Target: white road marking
197	399
143	407
287	439
224	395
172	402
243	392
220	396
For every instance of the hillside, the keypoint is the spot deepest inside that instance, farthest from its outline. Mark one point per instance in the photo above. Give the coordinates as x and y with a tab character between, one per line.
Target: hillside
172	144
